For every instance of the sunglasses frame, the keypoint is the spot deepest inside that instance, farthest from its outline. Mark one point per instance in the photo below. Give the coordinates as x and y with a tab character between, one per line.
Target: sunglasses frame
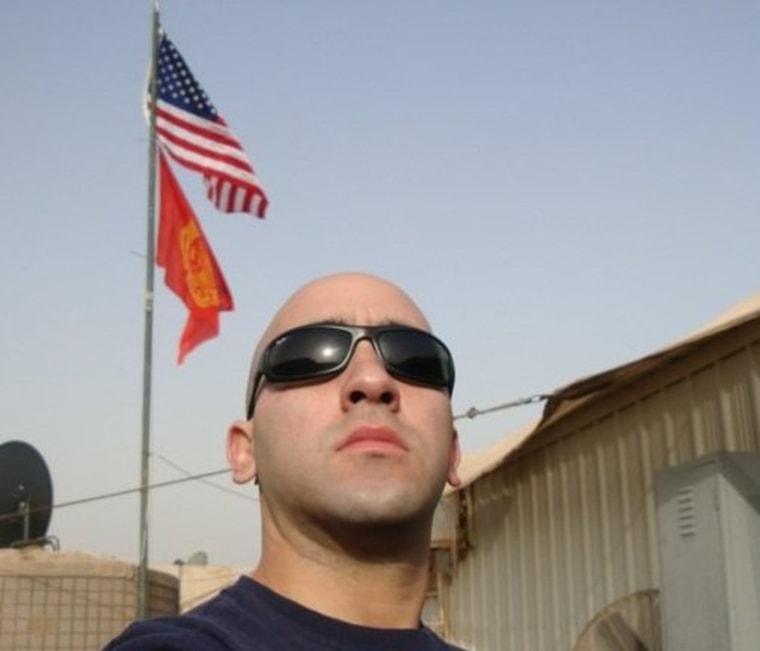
358	333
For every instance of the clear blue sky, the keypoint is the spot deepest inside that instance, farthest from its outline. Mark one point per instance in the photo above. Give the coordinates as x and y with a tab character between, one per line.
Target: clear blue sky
562	186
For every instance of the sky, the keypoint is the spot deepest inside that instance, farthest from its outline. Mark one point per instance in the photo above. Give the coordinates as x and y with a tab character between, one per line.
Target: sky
563	187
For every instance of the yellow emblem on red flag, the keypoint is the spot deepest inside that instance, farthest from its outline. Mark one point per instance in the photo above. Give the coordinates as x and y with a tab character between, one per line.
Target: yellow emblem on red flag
199	271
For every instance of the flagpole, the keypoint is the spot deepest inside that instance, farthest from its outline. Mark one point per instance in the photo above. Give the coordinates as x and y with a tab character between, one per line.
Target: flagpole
142	573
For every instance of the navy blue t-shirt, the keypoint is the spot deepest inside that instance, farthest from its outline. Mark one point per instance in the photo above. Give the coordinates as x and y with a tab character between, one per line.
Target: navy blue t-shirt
247	616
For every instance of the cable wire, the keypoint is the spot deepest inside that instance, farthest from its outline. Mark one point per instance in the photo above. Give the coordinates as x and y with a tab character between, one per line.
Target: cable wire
190	475
105	496
473	412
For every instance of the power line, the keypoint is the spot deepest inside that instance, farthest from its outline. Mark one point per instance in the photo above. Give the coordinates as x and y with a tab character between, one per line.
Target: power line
128	491
105	496
190	475
472	412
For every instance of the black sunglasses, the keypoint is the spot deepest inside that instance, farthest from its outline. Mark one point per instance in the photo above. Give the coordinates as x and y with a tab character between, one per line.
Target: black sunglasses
320	351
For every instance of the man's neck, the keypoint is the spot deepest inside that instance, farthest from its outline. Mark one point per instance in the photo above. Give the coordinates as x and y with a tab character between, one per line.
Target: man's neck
361	587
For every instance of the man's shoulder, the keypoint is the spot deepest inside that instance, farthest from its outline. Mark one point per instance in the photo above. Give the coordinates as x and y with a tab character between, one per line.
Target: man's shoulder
164	633
247	612
208	627
434	641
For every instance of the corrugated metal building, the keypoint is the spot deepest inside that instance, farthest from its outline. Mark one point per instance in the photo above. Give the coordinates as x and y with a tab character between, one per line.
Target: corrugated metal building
553	542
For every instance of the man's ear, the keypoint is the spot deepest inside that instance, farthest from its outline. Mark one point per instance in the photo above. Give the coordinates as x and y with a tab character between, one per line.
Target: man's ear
240	451
456	457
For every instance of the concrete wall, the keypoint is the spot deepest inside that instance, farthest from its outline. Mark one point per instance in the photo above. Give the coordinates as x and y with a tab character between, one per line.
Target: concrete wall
70	601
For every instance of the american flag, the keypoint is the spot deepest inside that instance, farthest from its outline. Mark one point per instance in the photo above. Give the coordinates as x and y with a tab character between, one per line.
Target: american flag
196	136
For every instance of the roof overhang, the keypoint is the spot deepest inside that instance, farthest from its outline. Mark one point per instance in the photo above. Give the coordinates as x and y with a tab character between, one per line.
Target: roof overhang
568	399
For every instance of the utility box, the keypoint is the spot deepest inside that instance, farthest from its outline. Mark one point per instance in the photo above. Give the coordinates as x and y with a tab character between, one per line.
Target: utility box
708	514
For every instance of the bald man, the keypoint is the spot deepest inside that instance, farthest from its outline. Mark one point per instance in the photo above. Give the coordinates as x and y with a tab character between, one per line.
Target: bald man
349	435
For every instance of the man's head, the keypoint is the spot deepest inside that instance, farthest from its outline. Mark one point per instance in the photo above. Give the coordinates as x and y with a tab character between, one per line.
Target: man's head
365	438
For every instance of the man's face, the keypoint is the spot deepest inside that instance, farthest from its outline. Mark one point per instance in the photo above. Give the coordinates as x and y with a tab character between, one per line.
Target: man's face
360	448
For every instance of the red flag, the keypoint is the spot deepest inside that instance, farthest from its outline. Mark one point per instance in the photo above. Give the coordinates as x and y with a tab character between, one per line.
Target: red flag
197	137
191	270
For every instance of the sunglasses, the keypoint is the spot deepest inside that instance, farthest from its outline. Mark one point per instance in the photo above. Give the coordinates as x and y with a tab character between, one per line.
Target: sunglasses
320	351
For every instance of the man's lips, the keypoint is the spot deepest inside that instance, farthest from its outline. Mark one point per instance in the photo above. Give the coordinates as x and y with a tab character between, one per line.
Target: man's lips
373	438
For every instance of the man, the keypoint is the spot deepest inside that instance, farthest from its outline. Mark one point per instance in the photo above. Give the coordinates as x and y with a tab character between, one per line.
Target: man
349	435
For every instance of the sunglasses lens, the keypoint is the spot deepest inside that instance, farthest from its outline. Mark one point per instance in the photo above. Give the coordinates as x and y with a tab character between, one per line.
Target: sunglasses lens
306	353
417	356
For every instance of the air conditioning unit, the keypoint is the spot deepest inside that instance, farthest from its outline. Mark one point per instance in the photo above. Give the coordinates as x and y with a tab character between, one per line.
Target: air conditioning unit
708	515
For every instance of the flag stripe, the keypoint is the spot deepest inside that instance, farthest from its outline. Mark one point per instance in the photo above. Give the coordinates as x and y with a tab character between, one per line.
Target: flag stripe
204	148
216	129
230	198
195	134
200	163
207	159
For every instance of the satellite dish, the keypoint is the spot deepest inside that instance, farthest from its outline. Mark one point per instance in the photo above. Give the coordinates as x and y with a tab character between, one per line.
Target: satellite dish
26	494
198	558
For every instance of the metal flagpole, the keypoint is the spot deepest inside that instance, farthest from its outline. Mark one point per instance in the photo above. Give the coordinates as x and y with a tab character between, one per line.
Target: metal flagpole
142	574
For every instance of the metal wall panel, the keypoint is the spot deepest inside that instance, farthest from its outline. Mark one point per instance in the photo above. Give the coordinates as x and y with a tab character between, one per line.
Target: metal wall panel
568	527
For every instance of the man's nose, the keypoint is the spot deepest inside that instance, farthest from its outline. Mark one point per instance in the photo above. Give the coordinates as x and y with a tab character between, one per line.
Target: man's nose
366	379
